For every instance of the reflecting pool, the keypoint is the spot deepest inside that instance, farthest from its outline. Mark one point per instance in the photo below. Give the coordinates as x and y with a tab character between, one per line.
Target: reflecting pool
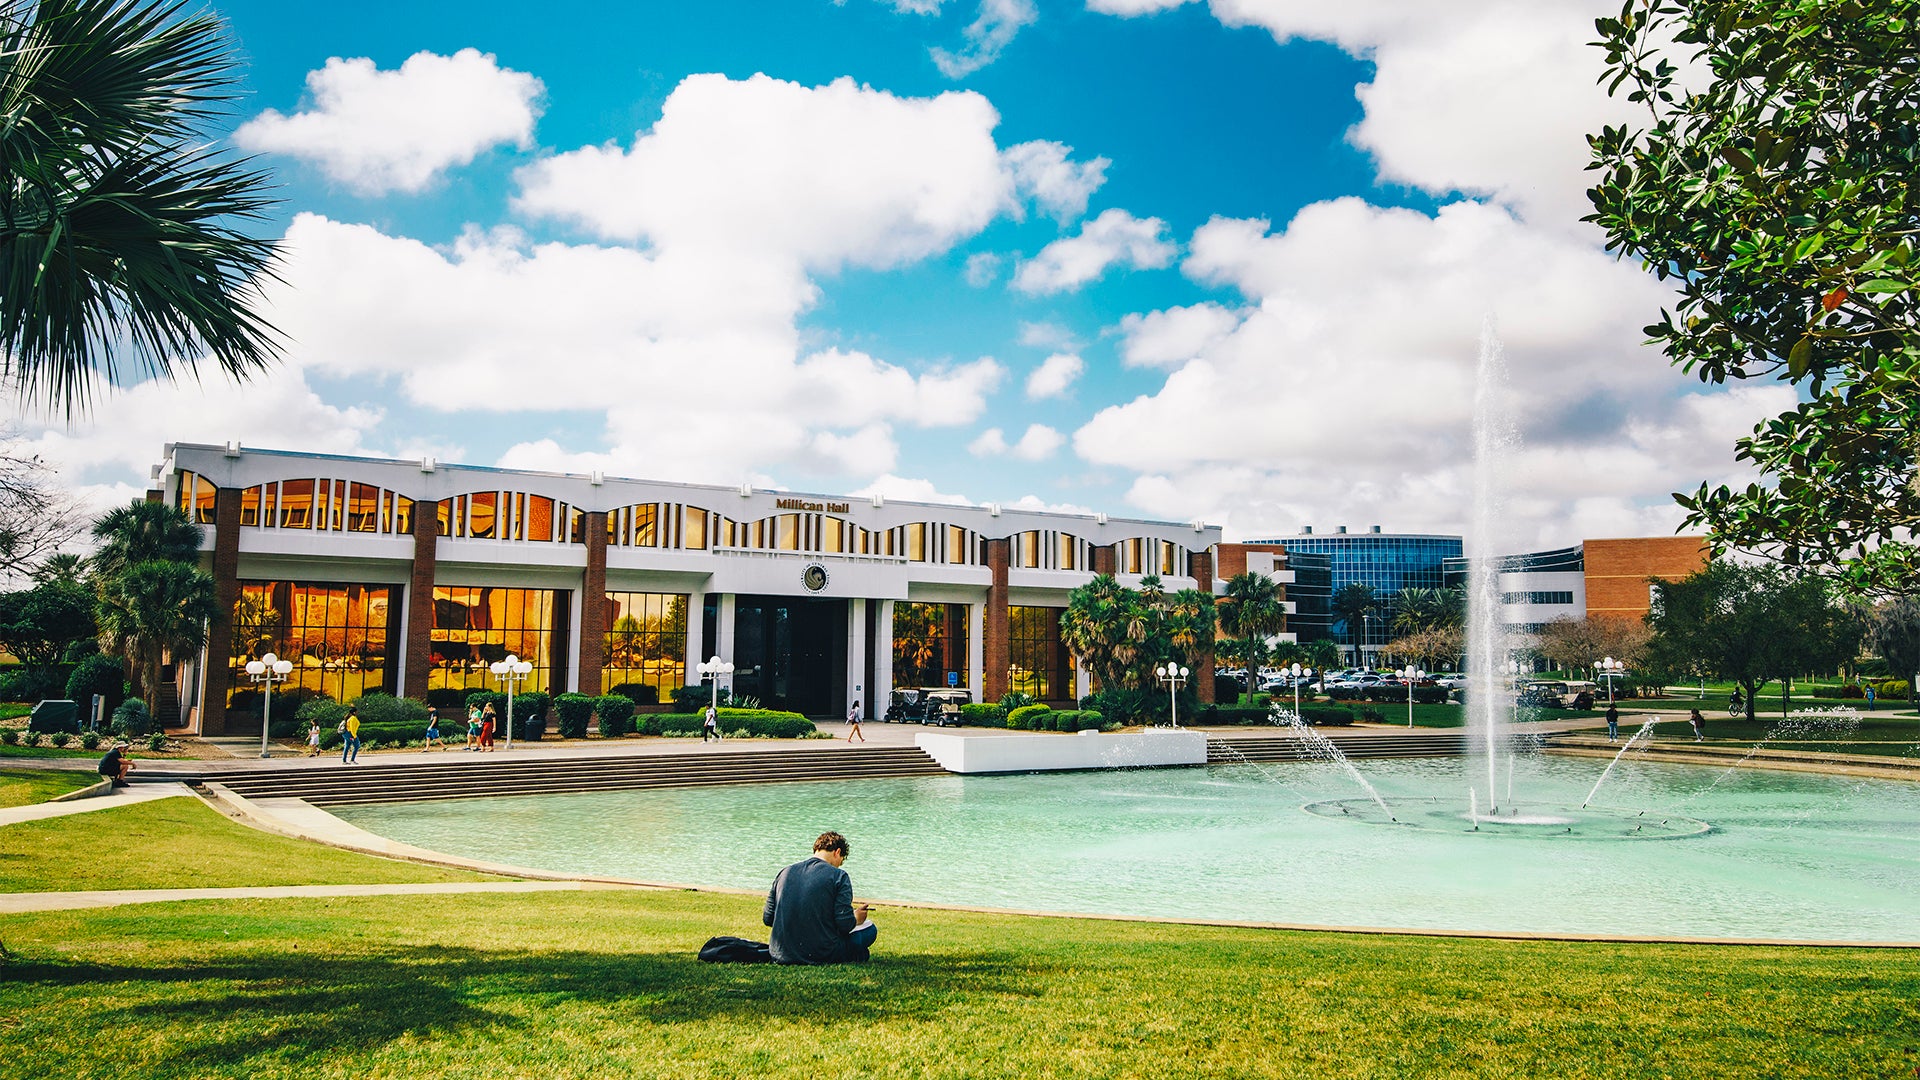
1775	855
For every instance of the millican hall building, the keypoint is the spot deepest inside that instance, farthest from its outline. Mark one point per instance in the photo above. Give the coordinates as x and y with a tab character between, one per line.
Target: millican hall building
412	575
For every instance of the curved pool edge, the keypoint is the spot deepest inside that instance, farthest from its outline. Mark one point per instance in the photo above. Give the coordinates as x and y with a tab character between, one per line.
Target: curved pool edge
312	823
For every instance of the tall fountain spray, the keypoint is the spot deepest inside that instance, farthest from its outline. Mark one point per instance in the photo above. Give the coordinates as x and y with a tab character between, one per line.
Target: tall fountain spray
1486	643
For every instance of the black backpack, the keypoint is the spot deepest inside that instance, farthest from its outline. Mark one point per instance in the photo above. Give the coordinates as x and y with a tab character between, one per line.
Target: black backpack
733	950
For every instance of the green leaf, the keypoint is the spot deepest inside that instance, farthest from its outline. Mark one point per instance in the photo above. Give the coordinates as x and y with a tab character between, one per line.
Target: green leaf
1799	358
1882	285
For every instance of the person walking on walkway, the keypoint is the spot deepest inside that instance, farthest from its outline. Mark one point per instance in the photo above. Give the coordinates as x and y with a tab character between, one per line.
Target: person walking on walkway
1613	723
1869	697
350	741
473	727
853	723
710	725
1699	726
313	738
487	720
433	730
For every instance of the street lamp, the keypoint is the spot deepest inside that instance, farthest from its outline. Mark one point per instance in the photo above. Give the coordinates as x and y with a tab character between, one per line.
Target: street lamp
1412	674
1611	669
1299	675
268	670
713	669
1173	677
508	672
1366	632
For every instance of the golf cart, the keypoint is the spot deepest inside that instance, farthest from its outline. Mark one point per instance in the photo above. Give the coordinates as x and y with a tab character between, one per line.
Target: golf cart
926	705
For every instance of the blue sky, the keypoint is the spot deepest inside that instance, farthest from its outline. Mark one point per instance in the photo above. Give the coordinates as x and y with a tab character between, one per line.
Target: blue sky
1223	260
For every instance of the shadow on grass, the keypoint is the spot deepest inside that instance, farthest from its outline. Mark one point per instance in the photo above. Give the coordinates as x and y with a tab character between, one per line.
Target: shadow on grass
297	1006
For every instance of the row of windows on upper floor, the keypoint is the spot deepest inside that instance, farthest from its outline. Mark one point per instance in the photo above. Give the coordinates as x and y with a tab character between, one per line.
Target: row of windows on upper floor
330	505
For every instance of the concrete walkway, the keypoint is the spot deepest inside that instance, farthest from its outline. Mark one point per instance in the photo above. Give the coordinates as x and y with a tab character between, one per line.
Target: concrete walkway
126	796
14	903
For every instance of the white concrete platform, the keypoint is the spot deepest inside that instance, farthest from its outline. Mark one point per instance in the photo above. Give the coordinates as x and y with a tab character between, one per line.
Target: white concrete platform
1085	750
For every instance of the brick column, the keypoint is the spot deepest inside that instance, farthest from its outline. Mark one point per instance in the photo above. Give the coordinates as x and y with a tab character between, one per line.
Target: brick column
593	606
996	654
426	550
217	678
1200	568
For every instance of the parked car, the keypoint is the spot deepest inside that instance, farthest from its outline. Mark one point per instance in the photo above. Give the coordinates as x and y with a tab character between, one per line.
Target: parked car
1452	680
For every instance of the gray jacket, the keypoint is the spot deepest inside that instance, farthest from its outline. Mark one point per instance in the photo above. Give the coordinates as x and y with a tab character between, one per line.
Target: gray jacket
810	909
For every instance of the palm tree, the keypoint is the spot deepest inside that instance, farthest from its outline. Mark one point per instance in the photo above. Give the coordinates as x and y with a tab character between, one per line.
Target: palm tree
118	240
1415	610
142	532
1251	614
61	566
154	610
1353	602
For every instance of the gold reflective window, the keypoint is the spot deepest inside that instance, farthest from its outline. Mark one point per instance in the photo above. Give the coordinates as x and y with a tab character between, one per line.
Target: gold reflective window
483	513
833	534
1066	558
363	508
296	504
1030	549
250	506
695	536
789	532
956	544
917	542
475	627
929	641
539	518
646	525
646	643
337	635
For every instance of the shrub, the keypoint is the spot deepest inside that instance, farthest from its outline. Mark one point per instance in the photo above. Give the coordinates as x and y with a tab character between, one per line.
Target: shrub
90	741
1015	699
33	683
1234	715
1369	714
978	715
131	720
641	693
325	712
1026	717
384	710
97	675
573	712
1071	720
760	722
31	738
1326	716
9	736
616	715
1894	689
59	738
530	714
1132	706
446	698
156	742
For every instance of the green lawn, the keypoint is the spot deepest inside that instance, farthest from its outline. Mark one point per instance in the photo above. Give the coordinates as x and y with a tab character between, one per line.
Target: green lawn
71	750
1451	716
180	843
605	984
1885	736
24	787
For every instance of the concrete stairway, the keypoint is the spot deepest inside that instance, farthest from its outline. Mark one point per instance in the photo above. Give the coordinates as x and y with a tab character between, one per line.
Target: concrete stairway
1451	742
471	776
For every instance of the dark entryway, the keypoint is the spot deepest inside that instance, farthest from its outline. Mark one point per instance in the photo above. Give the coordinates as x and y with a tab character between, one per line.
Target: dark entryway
791	653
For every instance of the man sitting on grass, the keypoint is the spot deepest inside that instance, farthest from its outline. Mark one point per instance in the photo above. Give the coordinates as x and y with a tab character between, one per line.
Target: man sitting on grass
116	765
810	909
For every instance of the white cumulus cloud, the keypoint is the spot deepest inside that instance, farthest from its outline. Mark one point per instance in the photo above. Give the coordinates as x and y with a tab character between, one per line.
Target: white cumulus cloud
1044	172
379	131
1175	335
1114	238
1054	375
999	22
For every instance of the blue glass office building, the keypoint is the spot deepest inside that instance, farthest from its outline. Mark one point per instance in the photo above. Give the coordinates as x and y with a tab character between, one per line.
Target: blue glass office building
1388	562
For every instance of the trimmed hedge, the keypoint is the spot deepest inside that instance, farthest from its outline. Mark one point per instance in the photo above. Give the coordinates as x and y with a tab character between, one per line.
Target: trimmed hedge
616	715
977	715
1025	717
1231	714
573	712
768	722
1422	695
638	693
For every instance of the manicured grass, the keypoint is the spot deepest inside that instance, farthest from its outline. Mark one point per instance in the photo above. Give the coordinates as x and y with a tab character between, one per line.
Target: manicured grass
1886	731
606	984
24	787
71	750
11	710
180	843
1452	716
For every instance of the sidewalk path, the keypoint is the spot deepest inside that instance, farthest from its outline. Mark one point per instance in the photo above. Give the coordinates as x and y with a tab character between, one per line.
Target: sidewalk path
14	903
126	796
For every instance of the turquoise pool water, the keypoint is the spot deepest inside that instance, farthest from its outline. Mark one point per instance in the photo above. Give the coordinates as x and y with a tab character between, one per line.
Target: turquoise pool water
1784	855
